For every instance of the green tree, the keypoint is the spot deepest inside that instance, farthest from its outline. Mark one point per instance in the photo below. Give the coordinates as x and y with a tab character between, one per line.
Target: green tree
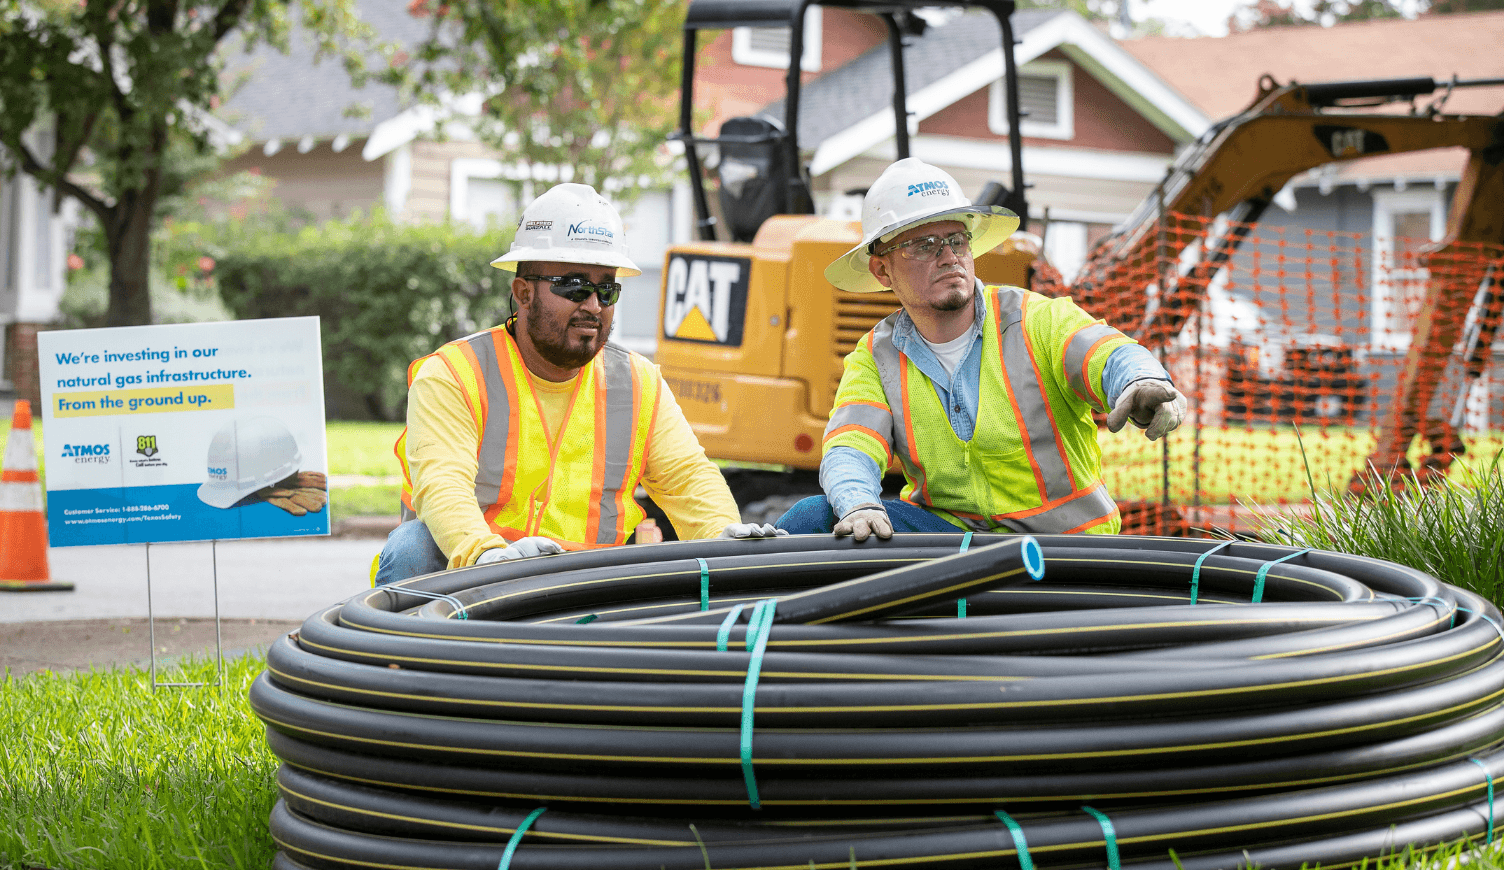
1254	14
583	87
109	101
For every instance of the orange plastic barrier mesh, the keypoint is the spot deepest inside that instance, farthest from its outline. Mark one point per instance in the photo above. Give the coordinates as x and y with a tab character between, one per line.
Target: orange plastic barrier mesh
1307	356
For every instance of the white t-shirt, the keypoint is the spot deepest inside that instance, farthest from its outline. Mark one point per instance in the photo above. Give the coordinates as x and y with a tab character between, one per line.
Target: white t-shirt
951	352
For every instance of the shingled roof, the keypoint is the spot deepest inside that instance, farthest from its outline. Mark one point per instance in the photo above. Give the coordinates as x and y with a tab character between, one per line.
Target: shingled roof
289	96
864	87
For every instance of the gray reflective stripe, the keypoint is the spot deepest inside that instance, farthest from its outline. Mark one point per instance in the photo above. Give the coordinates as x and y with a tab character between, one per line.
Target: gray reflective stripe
1094	505
1038	430
494	428
620	424
879	420
889	370
1075	360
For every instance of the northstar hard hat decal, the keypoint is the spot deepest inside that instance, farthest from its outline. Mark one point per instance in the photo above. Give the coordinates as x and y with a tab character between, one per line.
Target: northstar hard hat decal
706	299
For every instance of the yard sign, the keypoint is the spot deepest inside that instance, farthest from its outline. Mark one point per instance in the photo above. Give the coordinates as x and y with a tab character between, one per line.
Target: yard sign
188	432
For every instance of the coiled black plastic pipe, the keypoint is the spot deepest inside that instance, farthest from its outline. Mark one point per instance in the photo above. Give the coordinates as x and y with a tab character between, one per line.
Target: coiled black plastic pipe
1356	709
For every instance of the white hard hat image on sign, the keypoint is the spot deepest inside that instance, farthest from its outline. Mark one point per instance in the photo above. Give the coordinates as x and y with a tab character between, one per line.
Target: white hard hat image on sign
246	455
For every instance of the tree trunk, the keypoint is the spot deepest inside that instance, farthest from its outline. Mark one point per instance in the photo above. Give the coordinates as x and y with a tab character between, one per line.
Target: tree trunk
129	241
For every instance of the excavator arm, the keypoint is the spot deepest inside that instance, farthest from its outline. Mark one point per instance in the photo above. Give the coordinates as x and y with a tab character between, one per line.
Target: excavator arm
1142	278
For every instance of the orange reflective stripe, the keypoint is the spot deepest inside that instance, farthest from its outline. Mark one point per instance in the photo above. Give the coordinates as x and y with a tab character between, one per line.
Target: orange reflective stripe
1044	403
923	487
857	427
1018	413
598	468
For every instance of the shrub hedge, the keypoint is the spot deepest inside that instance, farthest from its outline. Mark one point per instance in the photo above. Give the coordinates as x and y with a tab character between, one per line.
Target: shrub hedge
386	293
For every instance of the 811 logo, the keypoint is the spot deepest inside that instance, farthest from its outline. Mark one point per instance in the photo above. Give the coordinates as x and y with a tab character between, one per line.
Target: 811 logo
146	445
706	298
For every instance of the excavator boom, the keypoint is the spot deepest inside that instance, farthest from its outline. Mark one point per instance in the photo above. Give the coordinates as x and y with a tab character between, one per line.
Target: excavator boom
1237	169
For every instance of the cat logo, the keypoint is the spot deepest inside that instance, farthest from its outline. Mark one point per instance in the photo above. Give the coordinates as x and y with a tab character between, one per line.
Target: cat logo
146	445
706	299
1349	142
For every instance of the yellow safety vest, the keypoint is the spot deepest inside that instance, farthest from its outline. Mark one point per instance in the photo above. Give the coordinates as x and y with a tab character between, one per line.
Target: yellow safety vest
1033	463
527	486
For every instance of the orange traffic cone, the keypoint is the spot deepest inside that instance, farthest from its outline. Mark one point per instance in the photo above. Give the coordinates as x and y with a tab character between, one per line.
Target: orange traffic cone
23	529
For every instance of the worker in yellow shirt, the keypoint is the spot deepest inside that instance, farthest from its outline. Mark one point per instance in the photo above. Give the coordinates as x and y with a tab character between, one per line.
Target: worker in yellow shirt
531	438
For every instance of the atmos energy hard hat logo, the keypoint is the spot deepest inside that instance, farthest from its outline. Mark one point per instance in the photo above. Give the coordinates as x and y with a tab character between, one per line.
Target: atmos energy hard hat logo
706	298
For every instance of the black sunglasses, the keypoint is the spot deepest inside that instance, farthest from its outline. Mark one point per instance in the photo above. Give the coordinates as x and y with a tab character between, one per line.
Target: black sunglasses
577	290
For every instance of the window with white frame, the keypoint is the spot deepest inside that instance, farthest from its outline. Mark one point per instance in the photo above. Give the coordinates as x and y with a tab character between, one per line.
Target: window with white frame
1046	99
769	46
1404	221
482	193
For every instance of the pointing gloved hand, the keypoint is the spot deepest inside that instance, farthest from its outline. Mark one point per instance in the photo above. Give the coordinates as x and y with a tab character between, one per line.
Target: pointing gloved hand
864	520
752	530
1153	405
520	549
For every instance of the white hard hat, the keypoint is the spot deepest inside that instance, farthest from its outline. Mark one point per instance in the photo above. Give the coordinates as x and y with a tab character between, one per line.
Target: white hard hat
909	193
246	455
570	223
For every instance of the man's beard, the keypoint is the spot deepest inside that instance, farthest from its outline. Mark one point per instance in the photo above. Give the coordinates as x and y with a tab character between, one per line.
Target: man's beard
555	347
956	299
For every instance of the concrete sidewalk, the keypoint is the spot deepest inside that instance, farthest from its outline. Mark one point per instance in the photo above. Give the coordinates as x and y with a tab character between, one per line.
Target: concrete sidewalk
267	587
272	578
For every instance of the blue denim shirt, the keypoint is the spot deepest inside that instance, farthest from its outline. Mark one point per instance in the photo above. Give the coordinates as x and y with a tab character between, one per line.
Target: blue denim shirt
849	476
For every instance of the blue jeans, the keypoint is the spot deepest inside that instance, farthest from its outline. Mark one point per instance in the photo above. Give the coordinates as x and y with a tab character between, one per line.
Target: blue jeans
410	551
812	516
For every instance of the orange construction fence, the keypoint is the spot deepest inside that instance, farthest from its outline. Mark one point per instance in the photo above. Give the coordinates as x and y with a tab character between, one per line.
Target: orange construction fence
1308	356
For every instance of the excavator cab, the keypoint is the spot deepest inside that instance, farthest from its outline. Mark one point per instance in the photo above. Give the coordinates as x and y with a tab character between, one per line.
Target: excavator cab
757	180
760	169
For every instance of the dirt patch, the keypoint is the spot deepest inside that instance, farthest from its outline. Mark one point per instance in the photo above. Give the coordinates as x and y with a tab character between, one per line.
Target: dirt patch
86	643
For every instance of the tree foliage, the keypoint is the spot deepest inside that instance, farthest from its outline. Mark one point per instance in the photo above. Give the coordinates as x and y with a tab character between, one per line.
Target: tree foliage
109	101
1255	14
385	293
577	90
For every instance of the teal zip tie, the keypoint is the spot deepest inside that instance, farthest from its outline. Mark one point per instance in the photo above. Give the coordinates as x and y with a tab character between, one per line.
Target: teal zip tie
1490	799
759	626
1258	583
1486	618
723	636
435	596
506	857
1432	599
1019	843
1109	834
961	602
704	585
1196	570
586	619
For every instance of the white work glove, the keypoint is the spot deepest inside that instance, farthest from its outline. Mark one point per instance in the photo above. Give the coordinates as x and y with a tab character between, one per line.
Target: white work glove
752	530
520	549
864	520
1155	401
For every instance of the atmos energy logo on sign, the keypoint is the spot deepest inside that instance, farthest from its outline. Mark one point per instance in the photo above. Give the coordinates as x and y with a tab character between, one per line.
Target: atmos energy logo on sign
706	298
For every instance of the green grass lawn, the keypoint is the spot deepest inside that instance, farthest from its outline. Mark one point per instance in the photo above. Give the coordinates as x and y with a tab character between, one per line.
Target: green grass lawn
97	772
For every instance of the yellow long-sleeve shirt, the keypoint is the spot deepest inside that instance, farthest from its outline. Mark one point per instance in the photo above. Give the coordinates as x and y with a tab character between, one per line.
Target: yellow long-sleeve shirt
442	441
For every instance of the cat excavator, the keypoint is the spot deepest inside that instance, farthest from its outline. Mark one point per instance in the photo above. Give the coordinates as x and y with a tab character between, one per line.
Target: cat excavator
1236	170
753	338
